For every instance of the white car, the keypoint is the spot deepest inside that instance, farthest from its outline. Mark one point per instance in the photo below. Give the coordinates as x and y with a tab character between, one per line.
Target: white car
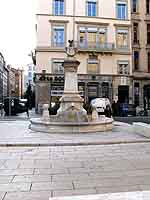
100	104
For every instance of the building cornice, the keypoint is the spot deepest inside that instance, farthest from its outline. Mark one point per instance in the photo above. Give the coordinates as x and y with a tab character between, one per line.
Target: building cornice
123	25
82	16
58	21
135	20
93	23
62	50
49	49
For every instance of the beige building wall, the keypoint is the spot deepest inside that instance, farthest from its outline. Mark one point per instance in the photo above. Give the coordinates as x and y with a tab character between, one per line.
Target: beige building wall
75	17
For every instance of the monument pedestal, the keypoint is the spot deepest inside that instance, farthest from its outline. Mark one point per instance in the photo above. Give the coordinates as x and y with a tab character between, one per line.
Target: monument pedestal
71	116
71	107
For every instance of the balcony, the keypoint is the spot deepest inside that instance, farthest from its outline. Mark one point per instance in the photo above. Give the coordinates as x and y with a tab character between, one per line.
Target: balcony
96	47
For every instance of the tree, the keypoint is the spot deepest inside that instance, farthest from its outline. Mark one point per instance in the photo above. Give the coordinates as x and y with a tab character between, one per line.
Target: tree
29	96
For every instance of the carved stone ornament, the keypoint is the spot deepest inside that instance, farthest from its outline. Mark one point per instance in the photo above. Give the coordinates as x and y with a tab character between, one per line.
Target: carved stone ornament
71	50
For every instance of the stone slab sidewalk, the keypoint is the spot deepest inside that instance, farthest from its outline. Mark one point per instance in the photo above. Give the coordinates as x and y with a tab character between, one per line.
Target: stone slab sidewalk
38	173
17	133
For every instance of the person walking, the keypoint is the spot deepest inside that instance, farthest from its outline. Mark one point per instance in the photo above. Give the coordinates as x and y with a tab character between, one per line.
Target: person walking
27	108
1	109
108	112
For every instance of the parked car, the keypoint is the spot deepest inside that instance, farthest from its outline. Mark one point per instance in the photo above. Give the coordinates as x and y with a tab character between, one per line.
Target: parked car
13	106
100	104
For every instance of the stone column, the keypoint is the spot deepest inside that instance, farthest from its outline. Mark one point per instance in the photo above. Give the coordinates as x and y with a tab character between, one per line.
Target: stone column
71	107
71	79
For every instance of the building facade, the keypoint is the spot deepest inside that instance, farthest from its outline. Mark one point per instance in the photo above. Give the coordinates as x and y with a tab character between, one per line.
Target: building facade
15	82
3	78
102	36
141	52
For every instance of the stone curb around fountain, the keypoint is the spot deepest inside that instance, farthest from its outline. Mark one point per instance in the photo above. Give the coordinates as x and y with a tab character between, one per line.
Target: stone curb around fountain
73	144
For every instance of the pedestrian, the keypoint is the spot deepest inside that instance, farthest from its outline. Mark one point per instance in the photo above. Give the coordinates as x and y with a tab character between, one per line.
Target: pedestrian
114	109
108	112
1	109
27	108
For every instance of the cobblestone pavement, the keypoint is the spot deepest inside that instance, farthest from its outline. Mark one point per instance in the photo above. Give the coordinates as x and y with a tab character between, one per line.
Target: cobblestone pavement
37	173
17	133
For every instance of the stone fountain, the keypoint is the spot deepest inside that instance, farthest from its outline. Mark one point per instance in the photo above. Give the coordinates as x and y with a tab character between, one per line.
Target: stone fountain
71	116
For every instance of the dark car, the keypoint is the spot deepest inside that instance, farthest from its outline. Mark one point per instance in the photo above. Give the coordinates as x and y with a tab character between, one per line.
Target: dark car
13	106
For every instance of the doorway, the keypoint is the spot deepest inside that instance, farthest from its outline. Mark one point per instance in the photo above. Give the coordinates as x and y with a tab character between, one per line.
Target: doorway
123	94
147	97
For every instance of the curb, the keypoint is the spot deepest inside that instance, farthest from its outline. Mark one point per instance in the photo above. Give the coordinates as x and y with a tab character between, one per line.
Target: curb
74	144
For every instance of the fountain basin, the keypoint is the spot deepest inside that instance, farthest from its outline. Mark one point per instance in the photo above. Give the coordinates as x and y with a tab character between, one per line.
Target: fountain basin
103	124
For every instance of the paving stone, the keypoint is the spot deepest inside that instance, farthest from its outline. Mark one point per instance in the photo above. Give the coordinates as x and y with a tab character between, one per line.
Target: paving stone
101	174
16	172
2	194
113	189
51	171
62	193
14	187
42	195
84	184
32	166
10	164
6	179
85	170
32	178
42	186
67	164
70	177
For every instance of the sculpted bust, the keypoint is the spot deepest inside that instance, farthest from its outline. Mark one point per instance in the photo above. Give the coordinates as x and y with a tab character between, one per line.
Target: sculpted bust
71	50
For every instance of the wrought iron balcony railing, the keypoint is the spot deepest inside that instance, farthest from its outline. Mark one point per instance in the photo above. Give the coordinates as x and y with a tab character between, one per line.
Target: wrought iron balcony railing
93	46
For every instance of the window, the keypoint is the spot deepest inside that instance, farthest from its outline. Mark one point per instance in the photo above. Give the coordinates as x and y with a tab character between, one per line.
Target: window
136	60
92	91
135	33
148	33
82	37
91	8
92	33
92	37
58	67
123	67
121	10
136	93
92	67
122	38
58	36
134	6
147	7
58	7
148	62
102	35
105	90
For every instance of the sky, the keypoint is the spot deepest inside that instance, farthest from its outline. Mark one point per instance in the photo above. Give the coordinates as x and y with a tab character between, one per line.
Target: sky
17	31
